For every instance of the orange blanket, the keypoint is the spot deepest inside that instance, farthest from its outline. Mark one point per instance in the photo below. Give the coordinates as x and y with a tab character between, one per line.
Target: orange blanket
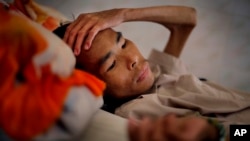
32	94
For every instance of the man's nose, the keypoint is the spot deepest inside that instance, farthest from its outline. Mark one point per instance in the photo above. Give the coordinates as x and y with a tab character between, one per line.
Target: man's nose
132	61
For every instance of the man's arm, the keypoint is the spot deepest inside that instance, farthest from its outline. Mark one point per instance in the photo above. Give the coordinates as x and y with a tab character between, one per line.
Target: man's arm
178	19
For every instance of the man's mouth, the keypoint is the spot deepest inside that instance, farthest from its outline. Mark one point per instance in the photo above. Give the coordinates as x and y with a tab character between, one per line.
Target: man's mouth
143	73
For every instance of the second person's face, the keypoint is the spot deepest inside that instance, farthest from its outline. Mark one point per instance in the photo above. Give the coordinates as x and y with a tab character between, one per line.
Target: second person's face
118	62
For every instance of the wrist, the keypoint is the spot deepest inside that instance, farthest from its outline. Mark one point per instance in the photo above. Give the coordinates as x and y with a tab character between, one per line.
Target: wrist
221	133
125	14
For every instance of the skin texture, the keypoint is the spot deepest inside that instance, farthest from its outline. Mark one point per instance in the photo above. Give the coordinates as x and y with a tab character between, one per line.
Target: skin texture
179	20
86	26
123	58
172	128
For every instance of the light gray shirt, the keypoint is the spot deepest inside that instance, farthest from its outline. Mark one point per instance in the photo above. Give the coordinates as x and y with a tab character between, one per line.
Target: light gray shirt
179	91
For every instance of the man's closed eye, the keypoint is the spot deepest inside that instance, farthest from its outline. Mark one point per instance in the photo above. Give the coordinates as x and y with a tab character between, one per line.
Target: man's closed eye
124	45
111	66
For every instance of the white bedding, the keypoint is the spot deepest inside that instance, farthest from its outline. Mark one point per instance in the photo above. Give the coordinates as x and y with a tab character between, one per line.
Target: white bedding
105	127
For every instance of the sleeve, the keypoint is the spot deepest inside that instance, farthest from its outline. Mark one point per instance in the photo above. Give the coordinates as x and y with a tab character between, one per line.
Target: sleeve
168	63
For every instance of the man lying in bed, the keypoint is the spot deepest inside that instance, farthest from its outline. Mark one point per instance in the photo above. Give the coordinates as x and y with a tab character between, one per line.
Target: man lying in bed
157	86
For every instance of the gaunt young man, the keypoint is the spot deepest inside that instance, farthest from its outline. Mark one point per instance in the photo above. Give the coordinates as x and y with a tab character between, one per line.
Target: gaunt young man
157	86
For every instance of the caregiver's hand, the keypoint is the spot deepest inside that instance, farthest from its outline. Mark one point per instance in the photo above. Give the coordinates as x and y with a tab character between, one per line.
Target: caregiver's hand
83	30
172	128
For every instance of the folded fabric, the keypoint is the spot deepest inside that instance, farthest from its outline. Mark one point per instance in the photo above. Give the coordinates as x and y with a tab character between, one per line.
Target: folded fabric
44	15
37	78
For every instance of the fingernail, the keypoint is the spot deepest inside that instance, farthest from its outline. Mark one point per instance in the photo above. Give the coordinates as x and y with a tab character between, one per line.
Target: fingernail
86	46
76	52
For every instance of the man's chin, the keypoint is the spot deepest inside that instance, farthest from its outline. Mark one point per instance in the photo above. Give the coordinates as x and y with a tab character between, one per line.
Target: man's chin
147	87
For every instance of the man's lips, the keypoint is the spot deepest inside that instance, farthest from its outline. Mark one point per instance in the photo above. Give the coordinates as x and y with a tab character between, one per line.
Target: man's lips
144	73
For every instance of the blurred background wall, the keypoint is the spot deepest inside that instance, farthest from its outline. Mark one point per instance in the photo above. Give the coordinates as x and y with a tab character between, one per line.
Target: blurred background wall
218	49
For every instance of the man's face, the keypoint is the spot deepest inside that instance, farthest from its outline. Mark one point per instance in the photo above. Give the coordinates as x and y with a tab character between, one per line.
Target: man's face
118	62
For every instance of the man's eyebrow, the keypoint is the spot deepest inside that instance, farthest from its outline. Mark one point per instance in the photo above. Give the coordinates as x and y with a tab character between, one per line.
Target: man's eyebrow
104	58
118	37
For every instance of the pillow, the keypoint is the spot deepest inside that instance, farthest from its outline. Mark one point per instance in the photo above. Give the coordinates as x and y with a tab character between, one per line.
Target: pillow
42	95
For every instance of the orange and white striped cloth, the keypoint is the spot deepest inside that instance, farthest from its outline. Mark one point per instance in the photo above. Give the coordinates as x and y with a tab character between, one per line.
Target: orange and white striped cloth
40	90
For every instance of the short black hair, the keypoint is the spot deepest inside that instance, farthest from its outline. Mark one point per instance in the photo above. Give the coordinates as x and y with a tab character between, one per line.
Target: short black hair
60	31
